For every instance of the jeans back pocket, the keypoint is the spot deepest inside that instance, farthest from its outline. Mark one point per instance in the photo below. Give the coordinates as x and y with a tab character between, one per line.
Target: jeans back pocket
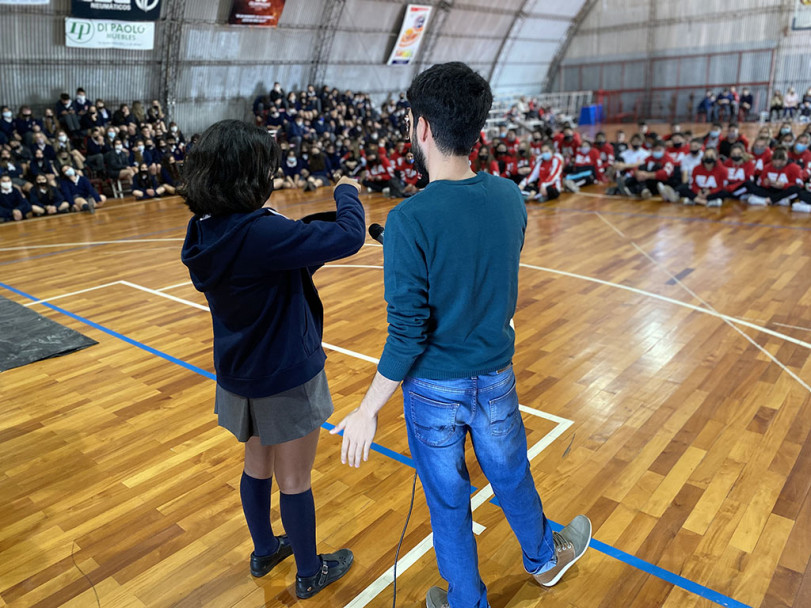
434	422
504	413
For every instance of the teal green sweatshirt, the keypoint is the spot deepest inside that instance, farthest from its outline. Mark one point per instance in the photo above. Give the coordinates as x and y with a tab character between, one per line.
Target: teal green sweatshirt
451	258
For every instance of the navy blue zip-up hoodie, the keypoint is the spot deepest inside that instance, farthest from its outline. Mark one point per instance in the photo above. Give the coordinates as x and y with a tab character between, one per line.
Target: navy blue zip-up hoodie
256	272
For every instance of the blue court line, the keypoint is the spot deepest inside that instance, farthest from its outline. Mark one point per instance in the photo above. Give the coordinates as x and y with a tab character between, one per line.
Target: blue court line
627	558
673	217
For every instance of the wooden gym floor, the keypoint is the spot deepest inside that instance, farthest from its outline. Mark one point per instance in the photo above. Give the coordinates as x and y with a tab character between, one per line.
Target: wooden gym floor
662	359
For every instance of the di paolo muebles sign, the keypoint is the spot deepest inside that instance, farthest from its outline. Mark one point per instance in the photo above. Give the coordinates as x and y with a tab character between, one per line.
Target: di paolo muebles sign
118	10
105	34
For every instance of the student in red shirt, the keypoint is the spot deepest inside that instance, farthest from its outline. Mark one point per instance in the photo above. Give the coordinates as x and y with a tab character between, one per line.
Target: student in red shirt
799	154
414	181
707	182
566	143
761	154
544	183
779	184
507	163
379	174
606	151
656	170
524	163
397	158
536	143
740	171
585	168
484	161
512	142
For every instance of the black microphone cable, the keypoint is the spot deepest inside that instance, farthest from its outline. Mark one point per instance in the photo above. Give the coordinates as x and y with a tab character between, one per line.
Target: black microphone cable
402	536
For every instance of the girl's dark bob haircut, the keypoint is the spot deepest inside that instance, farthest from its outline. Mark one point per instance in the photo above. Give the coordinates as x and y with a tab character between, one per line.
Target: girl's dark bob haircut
230	170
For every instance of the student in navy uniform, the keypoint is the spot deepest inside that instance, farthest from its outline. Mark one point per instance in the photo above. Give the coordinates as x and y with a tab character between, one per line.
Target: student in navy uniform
13	205
45	198
292	166
66	114
7	125
170	174
13	169
41	166
25	125
117	162
255	268
145	186
79	192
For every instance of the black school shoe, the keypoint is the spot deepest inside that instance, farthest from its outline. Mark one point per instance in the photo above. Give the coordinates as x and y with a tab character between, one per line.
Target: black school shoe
262	564
333	567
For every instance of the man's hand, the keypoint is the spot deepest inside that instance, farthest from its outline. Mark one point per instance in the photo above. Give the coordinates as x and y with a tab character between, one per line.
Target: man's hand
16	214
359	429
345	180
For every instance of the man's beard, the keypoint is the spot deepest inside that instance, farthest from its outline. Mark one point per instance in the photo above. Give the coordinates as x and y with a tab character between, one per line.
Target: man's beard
419	158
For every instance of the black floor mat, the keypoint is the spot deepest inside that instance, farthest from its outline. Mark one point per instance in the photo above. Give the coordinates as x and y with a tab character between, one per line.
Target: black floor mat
26	336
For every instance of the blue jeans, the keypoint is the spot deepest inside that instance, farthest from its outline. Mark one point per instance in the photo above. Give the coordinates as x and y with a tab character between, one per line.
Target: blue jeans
439	414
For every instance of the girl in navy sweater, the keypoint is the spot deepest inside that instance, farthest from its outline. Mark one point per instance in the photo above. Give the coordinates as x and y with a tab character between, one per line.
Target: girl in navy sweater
255	268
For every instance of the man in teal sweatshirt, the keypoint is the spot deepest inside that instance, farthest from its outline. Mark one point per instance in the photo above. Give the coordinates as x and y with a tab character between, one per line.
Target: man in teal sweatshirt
451	258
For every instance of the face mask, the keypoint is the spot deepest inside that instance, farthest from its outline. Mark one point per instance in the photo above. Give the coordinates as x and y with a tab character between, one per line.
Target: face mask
800	148
81	98
143	172
568	137
678	145
785	131
63	138
758	150
600	142
483	155
502	152
410	161
709	161
26	116
119	148
70	172
5	159
174	129
111	134
657	154
42	186
6	114
636	146
737	159
585	149
140	149
5	187
715	133
546	155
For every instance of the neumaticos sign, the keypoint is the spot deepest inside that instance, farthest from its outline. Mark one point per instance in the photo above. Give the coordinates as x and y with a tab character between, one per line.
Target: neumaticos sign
119	10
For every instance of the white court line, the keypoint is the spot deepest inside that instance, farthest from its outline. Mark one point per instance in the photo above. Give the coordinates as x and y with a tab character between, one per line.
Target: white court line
166	295
73	293
89	243
174	286
794	326
710	308
650	294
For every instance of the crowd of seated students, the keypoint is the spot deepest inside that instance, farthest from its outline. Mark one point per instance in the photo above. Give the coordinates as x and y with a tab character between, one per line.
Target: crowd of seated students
733	106
328	133
54	163
681	166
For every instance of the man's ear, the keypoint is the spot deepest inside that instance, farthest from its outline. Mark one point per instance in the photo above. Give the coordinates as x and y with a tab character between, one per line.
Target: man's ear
423	129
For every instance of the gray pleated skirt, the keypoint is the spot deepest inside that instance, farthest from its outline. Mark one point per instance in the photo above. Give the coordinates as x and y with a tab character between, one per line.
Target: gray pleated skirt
283	417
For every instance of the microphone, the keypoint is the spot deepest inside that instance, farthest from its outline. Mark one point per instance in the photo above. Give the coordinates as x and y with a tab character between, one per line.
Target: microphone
376	232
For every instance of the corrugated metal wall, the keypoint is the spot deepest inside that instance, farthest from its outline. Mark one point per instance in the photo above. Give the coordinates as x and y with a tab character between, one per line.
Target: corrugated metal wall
222	68
659	58
37	66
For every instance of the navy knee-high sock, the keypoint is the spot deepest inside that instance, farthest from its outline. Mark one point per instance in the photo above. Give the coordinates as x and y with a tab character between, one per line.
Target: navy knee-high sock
298	517
255	494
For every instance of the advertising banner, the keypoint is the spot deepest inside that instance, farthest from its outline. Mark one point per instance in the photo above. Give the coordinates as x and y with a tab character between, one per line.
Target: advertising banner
264	13
25	2
117	10
802	15
105	34
411	34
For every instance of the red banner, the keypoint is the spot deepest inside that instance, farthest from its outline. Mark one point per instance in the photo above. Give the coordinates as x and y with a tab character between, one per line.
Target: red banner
265	13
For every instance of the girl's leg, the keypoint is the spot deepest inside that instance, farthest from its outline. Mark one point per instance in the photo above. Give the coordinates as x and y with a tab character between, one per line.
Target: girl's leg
254	490
293	465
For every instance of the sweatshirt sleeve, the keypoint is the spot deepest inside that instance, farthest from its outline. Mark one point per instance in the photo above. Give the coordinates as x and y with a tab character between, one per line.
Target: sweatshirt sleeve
406	291
295	244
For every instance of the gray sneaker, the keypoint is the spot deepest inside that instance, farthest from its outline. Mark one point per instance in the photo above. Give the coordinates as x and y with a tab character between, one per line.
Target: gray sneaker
714	202
437	598
622	187
570	545
645	194
570	186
